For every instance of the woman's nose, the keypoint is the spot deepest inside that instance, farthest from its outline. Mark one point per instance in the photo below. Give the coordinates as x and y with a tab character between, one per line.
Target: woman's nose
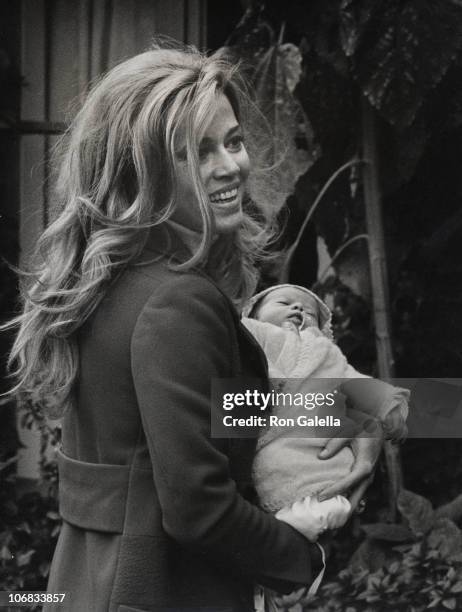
225	164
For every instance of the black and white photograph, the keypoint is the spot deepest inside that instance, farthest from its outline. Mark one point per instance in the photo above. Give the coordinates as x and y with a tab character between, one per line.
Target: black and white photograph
231	305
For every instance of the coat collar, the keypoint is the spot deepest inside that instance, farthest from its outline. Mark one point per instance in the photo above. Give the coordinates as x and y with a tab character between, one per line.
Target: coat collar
172	241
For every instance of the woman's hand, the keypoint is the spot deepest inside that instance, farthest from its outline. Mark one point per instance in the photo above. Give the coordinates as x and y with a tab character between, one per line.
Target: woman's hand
366	451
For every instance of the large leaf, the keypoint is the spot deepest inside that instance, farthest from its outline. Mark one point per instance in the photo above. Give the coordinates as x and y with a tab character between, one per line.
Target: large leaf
447	538
280	139
400	50
446	104
388	532
371	555
252	32
354	17
291	152
417	511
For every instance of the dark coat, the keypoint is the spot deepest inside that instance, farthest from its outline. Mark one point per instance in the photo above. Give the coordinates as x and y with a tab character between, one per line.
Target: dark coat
156	511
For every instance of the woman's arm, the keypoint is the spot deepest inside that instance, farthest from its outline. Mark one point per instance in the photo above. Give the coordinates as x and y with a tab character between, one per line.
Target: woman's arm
368	398
181	342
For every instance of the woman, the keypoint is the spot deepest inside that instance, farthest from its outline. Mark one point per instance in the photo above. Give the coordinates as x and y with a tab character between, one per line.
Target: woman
129	320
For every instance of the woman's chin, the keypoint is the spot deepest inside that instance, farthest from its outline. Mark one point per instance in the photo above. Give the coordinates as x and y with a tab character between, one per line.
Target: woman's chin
228	220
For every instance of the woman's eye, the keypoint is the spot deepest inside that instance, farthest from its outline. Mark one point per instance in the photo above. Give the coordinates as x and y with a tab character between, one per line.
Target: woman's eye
236	143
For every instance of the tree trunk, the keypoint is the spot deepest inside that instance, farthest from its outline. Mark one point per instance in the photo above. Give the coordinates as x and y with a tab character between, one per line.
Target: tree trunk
379	281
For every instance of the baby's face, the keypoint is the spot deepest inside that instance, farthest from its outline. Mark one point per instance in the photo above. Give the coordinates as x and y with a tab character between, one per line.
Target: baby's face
289	304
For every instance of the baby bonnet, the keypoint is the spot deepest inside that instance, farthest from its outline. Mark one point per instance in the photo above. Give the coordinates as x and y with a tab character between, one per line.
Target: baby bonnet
325	313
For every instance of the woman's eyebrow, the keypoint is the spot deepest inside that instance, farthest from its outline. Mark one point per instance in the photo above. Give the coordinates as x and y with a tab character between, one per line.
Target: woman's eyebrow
207	140
233	130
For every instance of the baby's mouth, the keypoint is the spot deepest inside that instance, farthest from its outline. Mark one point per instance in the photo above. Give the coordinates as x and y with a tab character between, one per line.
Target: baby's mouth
297	318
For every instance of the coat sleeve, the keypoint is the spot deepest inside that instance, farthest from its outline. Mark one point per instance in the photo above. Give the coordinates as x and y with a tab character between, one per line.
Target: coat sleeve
180	343
373	397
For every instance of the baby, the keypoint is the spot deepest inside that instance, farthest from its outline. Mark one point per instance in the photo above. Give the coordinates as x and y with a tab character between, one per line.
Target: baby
293	327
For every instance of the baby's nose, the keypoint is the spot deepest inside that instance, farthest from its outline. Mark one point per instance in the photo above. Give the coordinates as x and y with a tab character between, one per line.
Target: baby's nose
297	306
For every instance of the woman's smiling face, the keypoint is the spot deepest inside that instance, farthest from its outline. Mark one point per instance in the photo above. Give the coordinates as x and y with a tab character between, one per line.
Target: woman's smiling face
223	166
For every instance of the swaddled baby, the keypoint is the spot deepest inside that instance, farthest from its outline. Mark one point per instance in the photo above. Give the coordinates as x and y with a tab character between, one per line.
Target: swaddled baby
293	327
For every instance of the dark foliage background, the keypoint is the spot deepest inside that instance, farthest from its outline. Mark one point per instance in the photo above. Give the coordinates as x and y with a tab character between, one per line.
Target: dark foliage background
404	58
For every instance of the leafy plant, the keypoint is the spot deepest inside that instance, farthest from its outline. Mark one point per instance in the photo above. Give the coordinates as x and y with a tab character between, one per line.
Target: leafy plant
30	523
27	539
412	566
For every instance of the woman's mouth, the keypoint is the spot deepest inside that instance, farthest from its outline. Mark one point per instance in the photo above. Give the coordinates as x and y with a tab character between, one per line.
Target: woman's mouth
226	196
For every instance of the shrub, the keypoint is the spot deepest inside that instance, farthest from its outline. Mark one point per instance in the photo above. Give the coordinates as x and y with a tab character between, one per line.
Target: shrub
412	566
29	519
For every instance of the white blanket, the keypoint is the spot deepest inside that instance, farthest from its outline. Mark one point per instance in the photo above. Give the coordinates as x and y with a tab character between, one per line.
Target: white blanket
287	468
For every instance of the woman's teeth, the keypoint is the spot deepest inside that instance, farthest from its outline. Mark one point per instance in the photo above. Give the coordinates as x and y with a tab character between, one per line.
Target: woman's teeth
224	196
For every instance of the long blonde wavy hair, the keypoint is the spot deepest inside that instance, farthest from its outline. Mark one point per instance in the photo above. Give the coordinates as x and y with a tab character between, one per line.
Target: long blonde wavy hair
116	183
